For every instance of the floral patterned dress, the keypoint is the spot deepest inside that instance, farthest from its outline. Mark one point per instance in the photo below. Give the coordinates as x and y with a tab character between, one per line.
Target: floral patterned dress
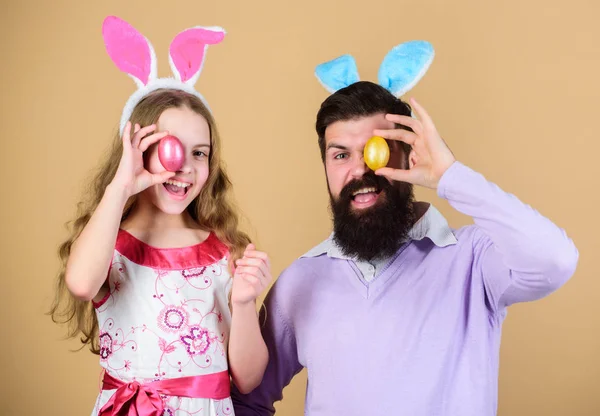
166	316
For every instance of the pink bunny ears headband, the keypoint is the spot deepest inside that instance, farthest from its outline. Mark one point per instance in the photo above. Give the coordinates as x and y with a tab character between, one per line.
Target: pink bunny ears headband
133	54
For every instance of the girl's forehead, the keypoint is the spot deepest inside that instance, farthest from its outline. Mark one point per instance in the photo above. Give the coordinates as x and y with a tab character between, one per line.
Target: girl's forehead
187	125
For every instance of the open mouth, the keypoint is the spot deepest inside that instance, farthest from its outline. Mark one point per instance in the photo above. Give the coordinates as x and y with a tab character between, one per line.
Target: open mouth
177	188
366	196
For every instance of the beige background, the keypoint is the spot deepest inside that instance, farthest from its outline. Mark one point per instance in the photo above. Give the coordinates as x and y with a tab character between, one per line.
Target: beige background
514	90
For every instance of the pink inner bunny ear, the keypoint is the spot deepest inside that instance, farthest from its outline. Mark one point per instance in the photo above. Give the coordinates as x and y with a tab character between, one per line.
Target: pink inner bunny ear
128	49
188	48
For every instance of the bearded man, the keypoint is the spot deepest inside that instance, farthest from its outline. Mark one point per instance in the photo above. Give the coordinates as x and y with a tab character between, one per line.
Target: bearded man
396	313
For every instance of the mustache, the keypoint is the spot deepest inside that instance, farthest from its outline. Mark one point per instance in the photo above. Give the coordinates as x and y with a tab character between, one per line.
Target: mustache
369	180
377	231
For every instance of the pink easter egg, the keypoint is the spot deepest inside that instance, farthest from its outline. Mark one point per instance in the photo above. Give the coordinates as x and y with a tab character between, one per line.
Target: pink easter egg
170	153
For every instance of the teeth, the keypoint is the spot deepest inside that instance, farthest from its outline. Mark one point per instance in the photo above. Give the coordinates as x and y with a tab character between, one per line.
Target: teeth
176	183
364	191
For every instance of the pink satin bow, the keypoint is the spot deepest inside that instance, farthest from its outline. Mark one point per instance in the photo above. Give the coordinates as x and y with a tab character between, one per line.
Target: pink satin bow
135	399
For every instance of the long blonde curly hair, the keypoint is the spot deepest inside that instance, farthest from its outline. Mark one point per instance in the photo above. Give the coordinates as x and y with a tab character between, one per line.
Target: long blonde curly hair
213	209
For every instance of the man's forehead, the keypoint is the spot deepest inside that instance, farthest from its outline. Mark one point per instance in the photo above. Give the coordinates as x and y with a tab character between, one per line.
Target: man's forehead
357	129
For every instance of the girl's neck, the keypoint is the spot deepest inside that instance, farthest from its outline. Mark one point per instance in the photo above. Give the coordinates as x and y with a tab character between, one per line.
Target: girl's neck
158	229
148	217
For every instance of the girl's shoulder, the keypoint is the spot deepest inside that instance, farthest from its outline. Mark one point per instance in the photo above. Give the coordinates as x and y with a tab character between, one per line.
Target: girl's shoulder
205	253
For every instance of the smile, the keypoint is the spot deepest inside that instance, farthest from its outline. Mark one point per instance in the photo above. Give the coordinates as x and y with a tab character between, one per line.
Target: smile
177	189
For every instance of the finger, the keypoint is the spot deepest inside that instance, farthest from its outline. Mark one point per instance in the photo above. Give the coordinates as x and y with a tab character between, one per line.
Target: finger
423	115
255	263
136	128
141	132
258	268
127	135
248	261
400	175
150	140
254	281
262	280
406	121
162	177
266	278
402	135
251	270
255	254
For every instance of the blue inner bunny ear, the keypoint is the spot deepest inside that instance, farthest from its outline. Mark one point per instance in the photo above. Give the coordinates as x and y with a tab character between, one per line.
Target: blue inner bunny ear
337	73
405	65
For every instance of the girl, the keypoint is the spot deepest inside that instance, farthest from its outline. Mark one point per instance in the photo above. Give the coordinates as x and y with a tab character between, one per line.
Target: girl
154	252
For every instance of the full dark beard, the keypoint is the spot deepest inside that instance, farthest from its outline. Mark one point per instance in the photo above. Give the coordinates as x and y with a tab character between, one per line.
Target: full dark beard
377	231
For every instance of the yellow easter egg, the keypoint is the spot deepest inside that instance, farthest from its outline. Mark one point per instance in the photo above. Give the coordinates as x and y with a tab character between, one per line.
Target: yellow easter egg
376	153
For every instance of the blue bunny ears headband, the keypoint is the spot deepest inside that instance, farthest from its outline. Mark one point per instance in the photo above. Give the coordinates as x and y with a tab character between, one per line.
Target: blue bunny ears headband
399	72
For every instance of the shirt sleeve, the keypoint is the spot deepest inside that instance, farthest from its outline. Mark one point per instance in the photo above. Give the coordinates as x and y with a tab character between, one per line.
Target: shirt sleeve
521	255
